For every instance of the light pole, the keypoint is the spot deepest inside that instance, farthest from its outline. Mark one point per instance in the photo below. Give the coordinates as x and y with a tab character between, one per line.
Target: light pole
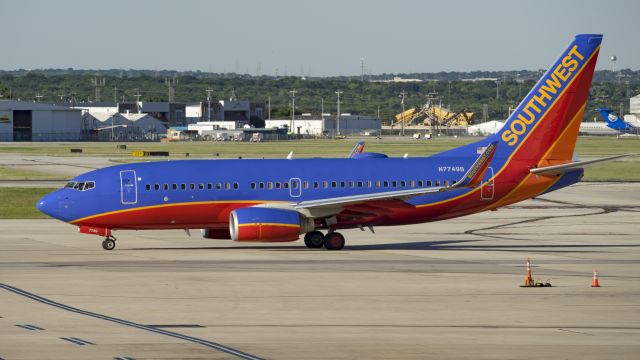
293	109
338	114
209	103
402	118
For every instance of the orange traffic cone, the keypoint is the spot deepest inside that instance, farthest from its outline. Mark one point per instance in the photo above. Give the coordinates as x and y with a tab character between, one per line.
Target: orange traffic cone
595	282
528	280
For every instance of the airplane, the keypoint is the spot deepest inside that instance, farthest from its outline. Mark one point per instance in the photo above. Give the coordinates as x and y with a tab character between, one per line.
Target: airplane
277	200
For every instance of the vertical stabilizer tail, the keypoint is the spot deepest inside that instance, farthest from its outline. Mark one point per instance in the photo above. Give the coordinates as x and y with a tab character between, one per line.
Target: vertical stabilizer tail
544	127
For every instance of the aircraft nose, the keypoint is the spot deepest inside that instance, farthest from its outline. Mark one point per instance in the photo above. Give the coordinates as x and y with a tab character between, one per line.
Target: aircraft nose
47	204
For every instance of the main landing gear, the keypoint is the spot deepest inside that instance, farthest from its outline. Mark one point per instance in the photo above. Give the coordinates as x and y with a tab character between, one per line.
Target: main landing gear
109	243
331	241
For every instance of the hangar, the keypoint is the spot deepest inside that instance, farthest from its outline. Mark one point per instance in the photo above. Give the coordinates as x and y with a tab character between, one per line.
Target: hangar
32	121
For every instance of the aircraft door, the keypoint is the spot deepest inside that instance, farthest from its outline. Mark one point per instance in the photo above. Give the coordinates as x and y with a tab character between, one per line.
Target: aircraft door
295	187
487	186
128	187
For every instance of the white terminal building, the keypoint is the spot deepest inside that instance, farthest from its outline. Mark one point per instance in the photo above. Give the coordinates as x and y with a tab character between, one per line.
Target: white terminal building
345	124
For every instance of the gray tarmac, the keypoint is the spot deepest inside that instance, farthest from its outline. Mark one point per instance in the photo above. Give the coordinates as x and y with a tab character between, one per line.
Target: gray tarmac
445	290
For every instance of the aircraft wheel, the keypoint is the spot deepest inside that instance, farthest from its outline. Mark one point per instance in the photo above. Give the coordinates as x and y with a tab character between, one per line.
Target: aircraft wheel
334	241
314	239
108	244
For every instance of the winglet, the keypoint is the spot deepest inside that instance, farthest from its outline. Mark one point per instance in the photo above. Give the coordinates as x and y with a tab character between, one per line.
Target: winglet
357	149
476	172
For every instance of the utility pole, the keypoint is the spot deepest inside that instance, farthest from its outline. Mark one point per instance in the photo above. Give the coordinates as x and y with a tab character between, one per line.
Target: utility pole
171	84
338	114
97	83
39	97
269	107
362	69
115	94
209	91
138	95
293	109
497	89
402	95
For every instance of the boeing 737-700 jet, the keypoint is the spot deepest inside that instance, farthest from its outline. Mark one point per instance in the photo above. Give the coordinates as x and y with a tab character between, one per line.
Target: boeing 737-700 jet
274	200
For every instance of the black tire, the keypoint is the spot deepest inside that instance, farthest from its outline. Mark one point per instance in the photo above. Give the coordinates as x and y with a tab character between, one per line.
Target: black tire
109	244
334	241
314	239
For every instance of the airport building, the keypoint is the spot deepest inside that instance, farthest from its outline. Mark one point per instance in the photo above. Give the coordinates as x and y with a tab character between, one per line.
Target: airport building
224	110
31	121
171	114
307	124
125	127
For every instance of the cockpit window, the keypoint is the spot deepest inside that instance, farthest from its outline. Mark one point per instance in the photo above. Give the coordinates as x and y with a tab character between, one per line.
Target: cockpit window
80	185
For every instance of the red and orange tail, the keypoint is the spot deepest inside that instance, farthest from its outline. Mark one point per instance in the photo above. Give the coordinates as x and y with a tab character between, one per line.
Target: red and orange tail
544	128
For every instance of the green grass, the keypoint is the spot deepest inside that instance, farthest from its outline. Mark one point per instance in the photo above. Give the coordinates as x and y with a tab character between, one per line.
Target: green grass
20	203
11	173
614	171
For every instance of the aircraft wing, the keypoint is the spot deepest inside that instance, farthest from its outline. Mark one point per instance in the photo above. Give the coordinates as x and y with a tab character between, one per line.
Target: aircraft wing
562	168
472	178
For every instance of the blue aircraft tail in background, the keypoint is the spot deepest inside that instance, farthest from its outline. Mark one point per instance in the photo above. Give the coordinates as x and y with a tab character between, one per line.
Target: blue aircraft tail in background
613	120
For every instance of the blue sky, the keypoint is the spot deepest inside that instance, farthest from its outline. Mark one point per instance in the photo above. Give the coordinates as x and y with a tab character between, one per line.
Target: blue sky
318	38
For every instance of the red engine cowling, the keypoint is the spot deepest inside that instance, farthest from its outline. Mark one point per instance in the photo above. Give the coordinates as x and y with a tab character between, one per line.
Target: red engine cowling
216	234
267	224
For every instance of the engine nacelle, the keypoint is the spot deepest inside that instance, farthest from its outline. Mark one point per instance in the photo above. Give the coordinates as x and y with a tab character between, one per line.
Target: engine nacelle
216	234
268	224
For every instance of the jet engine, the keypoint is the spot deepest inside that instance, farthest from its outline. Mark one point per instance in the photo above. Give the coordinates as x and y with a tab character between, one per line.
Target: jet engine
268	224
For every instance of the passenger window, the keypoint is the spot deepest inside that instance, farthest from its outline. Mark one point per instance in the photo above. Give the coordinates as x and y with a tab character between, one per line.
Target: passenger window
325	184
394	183
165	186
156	186
183	186
369	183
209	186
359	184
294	185
412	183
342	184
192	186
277	184
253	186
219	186
236	186
261	185
334	184
174	186
419	183
305	184
385	183
428	183
269	185
227	186
403	183
201	186
316	185
285	185
352	184
437	182
446	183
377	183
148	187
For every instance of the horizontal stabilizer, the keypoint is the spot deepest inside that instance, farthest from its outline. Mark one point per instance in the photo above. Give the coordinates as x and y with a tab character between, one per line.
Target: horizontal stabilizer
562	168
